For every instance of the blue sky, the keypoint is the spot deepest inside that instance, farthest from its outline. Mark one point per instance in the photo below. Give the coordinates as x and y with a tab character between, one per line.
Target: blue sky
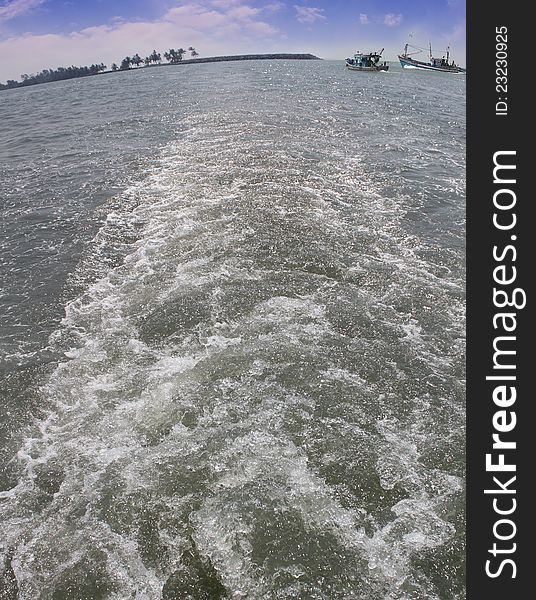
36	34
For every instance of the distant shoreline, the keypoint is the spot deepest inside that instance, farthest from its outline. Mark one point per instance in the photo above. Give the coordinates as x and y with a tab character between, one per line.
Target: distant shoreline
188	61
212	59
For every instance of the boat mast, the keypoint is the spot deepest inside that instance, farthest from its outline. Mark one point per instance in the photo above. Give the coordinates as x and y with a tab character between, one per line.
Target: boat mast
448	49
430	50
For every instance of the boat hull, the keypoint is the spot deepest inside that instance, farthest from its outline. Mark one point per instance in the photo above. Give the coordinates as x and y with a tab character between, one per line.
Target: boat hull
369	69
409	63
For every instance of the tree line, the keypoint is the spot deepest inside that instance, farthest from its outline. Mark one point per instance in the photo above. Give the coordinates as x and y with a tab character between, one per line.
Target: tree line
46	75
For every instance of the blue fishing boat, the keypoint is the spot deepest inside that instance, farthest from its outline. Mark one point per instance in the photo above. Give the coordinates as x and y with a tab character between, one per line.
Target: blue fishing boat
434	64
367	62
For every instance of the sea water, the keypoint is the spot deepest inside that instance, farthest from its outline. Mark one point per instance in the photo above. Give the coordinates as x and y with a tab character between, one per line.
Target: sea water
232	335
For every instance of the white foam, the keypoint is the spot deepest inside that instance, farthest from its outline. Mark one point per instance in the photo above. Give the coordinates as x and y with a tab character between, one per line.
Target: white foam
202	365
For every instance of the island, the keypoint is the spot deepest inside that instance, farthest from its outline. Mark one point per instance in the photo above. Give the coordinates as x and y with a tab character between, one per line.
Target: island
190	61
173	57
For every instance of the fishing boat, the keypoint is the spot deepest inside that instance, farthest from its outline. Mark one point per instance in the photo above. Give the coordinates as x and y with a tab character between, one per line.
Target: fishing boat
366	62
435	64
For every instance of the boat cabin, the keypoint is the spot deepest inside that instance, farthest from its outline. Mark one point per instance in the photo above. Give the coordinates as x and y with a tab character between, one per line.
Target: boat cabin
441	62
364	60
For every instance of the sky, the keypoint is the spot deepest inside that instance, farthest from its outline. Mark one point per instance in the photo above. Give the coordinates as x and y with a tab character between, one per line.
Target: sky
38	34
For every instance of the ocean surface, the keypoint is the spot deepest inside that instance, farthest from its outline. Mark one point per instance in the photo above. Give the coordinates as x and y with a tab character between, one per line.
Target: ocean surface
232	335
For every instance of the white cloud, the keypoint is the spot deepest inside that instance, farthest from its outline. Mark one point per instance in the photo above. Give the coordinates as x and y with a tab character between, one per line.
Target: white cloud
309	14
273	7
233	29
225	3
389	19
392	20
244	12
16	8
233	17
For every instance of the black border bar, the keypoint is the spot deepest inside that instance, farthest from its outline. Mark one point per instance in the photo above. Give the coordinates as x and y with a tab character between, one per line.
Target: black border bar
500	245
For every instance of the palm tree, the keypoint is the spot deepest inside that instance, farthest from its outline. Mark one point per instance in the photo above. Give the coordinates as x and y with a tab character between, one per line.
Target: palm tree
170	55
193	52
137	60
114	67
155	57
125	63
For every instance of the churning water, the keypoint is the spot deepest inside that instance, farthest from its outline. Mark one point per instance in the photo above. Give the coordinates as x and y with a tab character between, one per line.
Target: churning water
233	335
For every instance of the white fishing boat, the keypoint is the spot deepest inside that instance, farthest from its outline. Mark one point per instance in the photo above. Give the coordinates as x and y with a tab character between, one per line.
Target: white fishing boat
435	64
